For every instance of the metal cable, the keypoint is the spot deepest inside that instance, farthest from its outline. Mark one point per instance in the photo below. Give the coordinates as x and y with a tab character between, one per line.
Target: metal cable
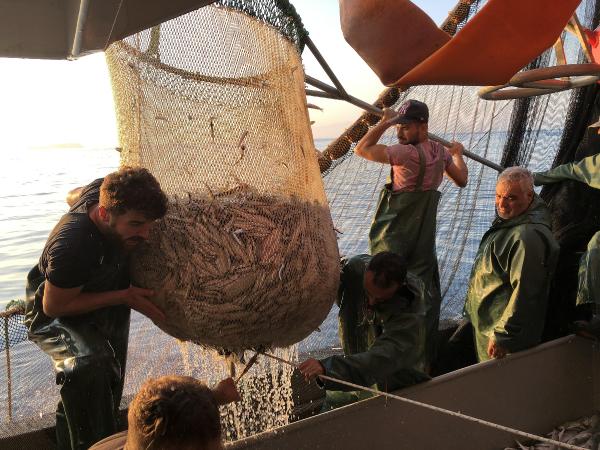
438	409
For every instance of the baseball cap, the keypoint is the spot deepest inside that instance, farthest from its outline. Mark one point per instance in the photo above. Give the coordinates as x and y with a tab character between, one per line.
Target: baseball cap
412	111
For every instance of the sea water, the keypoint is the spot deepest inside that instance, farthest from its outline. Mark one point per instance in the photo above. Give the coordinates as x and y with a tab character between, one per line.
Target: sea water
33	187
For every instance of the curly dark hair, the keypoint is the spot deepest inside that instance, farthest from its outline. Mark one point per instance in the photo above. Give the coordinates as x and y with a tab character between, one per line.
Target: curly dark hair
388	267
174	412
133	188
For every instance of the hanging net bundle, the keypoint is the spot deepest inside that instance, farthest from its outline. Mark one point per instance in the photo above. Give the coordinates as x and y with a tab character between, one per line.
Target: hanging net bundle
213	104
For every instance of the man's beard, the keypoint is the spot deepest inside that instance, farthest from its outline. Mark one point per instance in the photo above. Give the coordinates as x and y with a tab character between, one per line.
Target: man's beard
407	141
120	243
115	240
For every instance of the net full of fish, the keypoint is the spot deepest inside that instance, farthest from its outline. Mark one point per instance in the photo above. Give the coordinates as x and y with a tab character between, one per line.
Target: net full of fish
241	270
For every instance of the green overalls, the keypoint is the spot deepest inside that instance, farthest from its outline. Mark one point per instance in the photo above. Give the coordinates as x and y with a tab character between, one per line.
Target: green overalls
405	223
89	352
585	171
383	345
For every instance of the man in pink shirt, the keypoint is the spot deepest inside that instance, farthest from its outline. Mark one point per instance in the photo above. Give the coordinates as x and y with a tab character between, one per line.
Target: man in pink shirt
405	219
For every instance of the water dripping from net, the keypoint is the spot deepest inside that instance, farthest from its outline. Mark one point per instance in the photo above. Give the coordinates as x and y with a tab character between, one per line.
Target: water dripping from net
265	391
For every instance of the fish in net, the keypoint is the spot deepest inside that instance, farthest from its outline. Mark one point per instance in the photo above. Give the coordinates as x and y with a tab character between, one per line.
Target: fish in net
213	104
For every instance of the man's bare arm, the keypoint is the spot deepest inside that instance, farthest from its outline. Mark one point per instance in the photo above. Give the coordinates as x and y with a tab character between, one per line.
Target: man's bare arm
226	392
59	302
494	350
457	171
368	147
74	195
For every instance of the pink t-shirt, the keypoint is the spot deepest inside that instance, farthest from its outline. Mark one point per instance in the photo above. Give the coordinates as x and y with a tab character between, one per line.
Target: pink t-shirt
405	165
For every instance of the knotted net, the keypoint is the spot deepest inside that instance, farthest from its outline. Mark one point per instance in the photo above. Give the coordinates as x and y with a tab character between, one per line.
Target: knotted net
213	104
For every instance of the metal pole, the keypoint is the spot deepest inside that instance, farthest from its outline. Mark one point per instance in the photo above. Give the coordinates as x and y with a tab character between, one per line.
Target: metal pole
348	98
313	93
81	22
334	93
315	51
468	154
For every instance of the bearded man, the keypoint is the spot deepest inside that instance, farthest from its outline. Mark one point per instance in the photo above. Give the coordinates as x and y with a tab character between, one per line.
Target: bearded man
406	213
513	269
79	297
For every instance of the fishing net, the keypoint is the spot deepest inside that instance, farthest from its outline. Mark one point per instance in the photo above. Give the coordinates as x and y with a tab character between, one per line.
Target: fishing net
529	132
537	133
12	332
213	104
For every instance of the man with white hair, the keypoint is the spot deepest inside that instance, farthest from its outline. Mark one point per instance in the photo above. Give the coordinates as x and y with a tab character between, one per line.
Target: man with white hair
508	289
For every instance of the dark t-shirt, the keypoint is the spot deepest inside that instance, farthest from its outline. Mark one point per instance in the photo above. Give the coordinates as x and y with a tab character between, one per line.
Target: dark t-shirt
75	247
77	254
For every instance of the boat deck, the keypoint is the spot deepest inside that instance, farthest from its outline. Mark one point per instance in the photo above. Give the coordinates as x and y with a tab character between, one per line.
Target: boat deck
532	391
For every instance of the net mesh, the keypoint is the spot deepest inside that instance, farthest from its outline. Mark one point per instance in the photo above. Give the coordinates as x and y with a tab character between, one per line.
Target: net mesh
535	132
528	132
12	332
213	104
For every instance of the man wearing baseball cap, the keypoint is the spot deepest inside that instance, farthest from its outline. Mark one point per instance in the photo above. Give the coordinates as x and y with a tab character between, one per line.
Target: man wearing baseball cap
405	218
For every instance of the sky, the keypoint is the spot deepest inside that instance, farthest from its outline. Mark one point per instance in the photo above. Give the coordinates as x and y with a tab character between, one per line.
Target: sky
56	102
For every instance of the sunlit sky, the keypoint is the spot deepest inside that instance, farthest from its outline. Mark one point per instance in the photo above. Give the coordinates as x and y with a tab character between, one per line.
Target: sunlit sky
54	102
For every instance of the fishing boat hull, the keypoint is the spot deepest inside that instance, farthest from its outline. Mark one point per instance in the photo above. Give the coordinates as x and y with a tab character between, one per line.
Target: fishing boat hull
531	391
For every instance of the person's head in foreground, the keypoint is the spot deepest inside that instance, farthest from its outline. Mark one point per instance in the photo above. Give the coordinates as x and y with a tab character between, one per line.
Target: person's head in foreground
177	413
514	192
385	275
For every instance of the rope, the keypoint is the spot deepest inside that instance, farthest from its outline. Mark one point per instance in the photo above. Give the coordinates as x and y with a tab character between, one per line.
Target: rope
255	81
438	409
112	27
